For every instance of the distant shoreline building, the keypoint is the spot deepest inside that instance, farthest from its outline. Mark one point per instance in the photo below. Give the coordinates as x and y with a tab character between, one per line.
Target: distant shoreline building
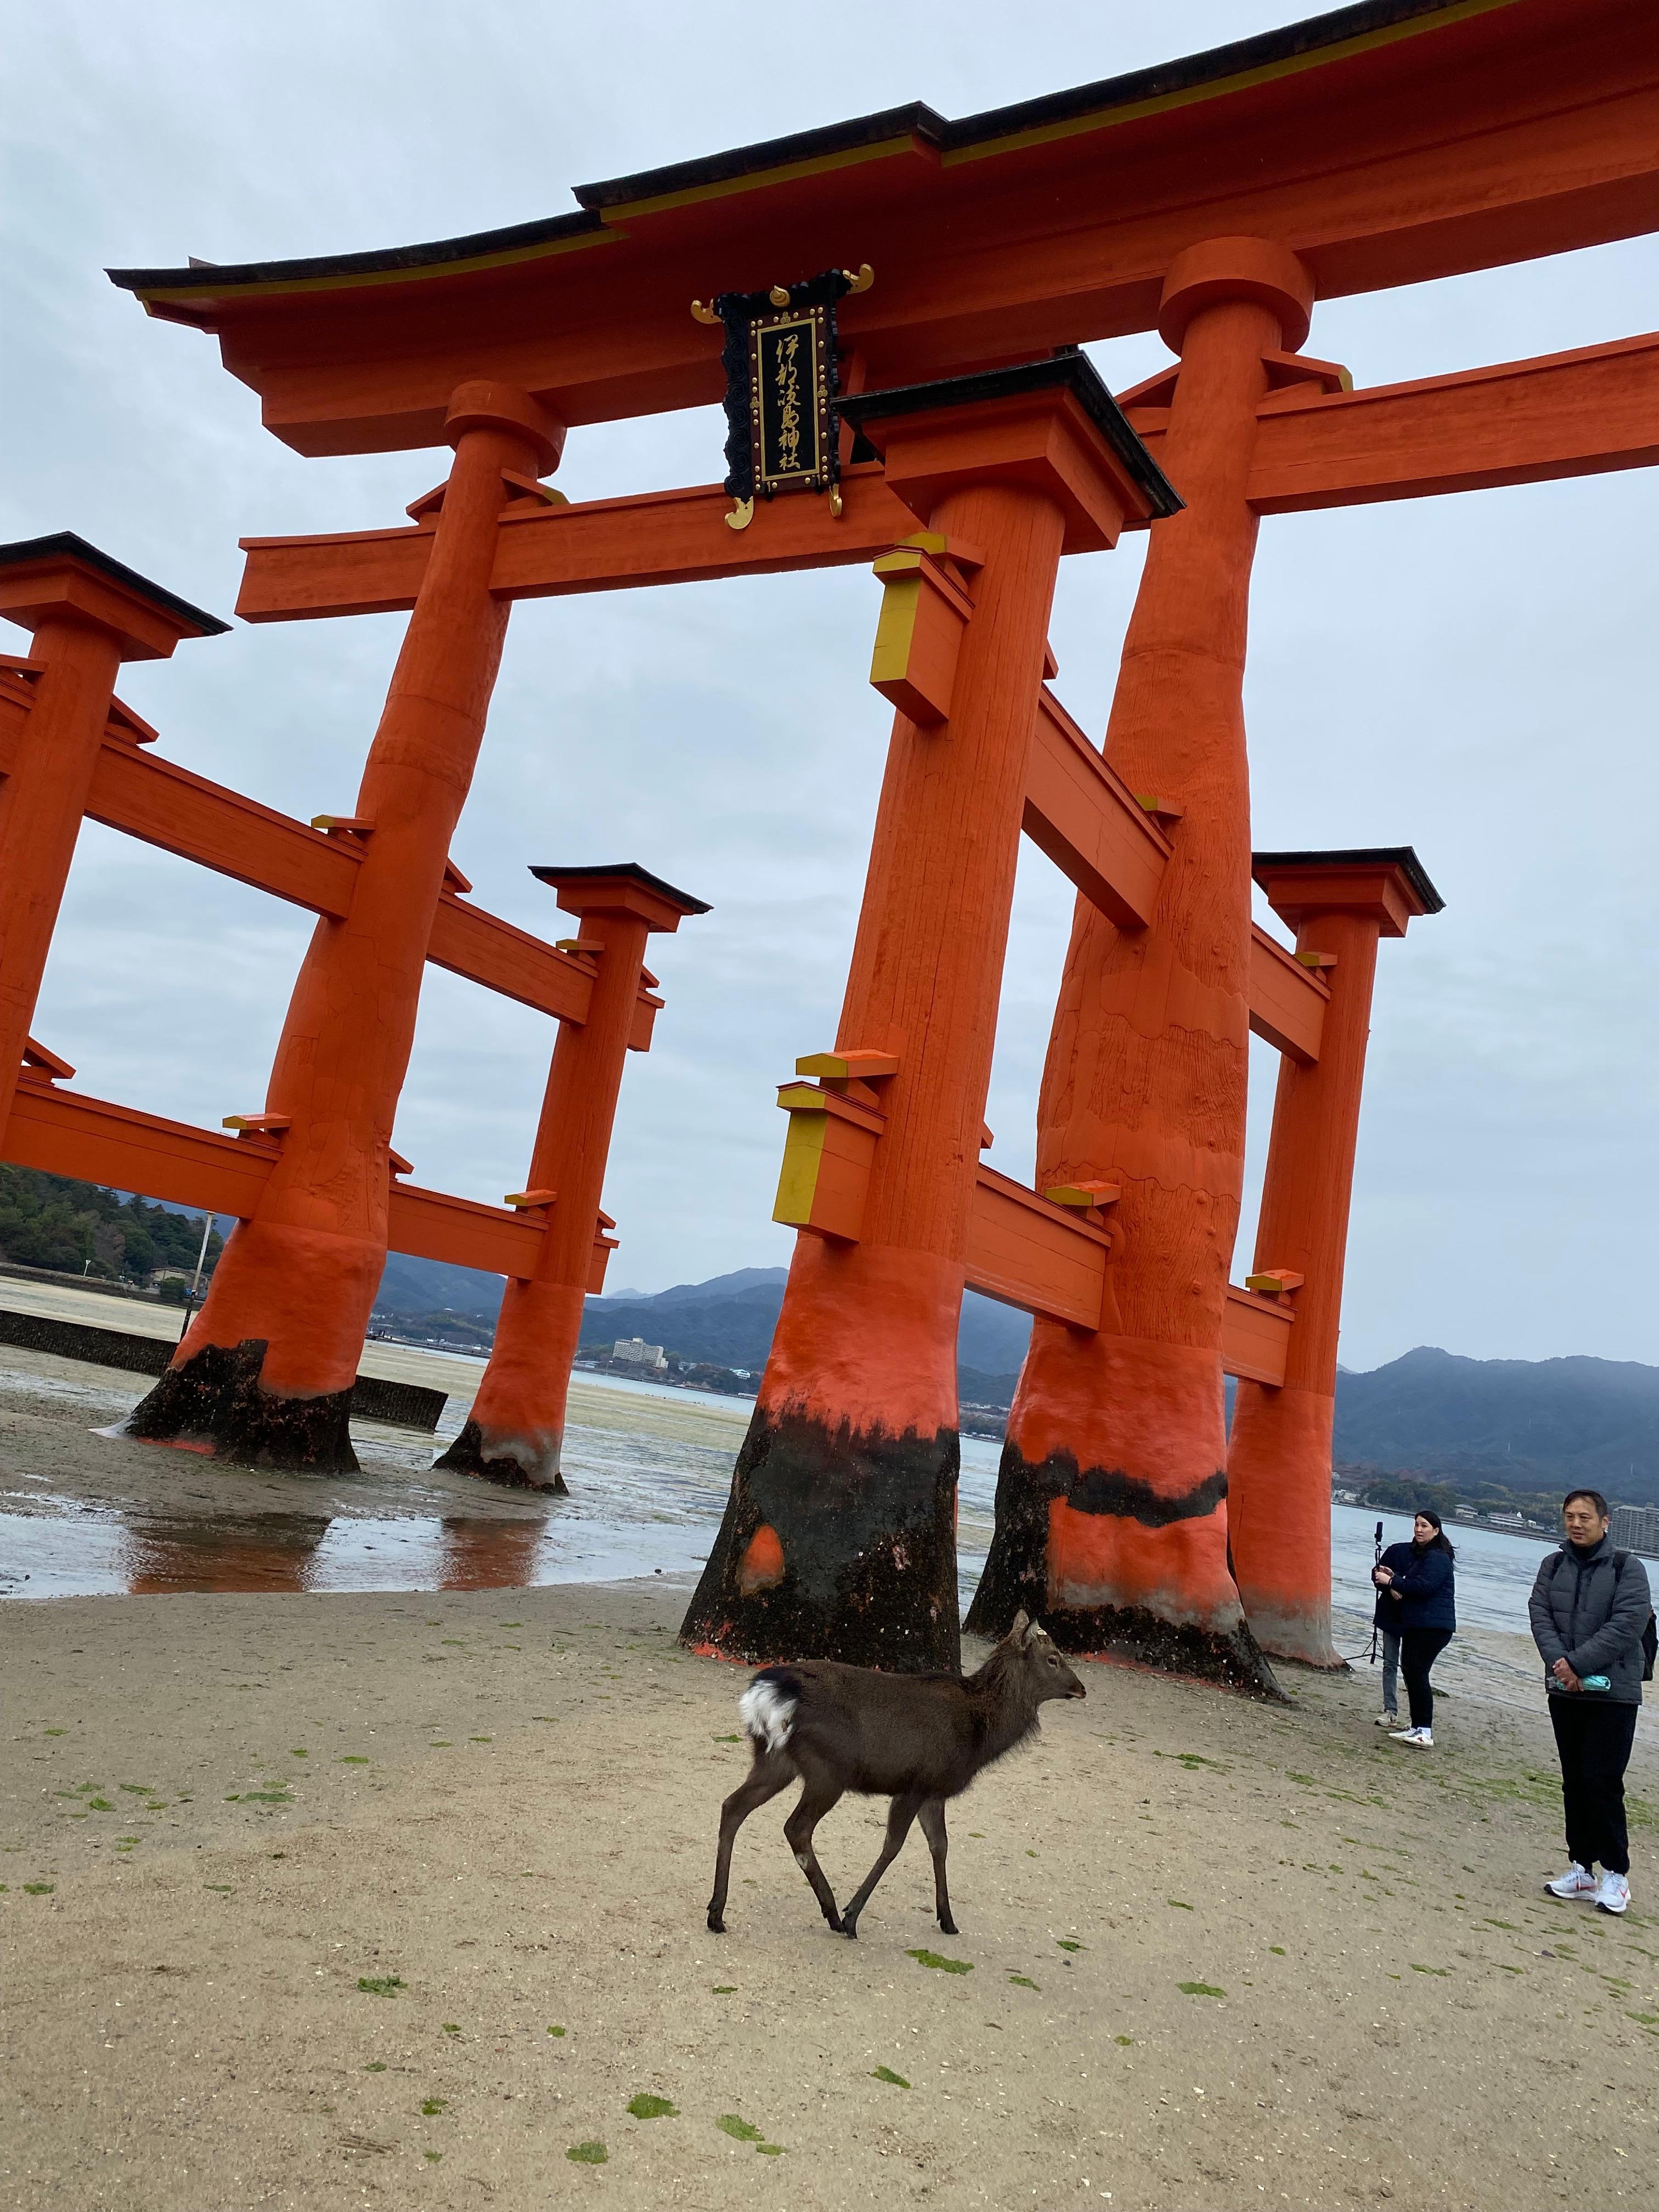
1636	1529
638	1354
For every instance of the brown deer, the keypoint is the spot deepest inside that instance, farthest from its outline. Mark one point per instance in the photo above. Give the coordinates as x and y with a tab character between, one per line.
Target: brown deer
917	1739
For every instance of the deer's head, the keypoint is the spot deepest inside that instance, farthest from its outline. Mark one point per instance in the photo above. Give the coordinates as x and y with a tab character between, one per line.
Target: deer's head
1040	1658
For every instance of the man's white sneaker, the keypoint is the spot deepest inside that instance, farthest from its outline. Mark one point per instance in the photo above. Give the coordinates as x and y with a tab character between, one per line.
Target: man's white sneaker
1614	1895
1421	1739
1576	1881
1388	1720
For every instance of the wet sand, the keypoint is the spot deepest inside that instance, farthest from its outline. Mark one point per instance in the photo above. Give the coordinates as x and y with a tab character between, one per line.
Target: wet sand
86	1512
296	1886
591	1404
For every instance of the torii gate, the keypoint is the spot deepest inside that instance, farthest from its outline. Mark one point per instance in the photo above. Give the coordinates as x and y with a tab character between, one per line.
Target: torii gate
313	1180
1389	144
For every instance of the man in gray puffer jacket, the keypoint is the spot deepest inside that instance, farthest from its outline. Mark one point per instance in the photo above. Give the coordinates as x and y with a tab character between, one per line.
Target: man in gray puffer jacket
1589	1610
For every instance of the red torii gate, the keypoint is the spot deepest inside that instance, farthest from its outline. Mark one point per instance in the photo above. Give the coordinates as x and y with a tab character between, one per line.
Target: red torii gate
1392	142
70	750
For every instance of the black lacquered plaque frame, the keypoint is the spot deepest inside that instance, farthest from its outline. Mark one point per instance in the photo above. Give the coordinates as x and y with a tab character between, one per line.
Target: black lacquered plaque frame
783	436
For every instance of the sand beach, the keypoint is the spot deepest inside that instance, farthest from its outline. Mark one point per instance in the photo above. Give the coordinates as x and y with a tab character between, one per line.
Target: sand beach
321	1897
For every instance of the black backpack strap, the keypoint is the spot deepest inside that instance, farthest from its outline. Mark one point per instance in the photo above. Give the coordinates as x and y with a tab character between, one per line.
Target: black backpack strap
1620	1561
1649	1645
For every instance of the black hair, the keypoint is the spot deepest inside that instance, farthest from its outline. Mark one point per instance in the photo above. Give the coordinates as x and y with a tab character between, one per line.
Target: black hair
1596	1500
1440	1541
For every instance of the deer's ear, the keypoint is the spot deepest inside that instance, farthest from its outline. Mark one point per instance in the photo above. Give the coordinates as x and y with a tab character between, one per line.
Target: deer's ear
1021	1629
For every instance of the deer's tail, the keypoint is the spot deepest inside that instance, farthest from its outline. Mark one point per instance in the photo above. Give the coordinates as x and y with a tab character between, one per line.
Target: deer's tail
768	1707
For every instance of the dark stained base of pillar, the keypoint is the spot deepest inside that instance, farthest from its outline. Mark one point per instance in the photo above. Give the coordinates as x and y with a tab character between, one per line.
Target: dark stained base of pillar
215	1399
866	1529
1016	1575
467	1456
1135	1632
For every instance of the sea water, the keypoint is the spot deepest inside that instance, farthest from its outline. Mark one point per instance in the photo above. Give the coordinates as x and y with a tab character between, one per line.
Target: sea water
641	1504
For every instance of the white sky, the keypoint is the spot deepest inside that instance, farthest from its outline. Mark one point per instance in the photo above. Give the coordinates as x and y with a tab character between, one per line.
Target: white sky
1473	675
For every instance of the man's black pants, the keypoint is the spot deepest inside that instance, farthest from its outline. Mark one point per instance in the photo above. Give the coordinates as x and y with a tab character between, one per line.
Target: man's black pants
1594	1740
1419	1649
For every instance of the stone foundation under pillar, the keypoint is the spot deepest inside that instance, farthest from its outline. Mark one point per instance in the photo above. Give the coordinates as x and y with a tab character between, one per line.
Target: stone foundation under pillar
214	1401
517	1462
835	1545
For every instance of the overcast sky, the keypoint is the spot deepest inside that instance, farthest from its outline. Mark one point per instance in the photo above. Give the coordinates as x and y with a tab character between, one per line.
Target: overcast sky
1474	675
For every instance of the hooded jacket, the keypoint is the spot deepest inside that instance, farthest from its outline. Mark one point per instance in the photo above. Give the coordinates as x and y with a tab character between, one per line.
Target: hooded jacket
1583	1611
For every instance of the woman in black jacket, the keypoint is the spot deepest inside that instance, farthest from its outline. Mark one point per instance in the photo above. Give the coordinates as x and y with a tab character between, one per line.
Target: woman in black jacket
1423	1589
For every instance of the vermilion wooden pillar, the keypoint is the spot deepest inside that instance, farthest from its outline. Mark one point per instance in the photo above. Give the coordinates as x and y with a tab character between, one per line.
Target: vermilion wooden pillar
89	614
839	1536
517	1422
264	1375
1278	1457
1111	1523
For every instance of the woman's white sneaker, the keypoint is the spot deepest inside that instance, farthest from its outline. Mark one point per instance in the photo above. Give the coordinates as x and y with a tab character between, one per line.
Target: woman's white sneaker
1576	1881
1422	1739
1614	1895
1388	1720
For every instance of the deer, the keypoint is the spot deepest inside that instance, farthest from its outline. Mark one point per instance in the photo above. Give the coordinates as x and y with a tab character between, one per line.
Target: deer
918	1739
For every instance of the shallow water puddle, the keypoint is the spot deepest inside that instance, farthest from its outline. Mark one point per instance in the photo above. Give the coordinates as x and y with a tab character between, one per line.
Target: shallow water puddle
116	1551
639	1505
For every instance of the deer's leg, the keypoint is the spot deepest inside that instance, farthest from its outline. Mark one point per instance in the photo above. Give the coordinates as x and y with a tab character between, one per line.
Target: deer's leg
817	1798
900	1816
932	1817
773	1772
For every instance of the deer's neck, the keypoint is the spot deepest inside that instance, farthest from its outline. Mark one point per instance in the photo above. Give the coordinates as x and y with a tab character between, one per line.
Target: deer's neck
1003	1721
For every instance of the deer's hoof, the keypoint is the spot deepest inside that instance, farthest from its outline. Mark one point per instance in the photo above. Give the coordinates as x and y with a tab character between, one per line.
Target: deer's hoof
948	1926
716	1923
849	1929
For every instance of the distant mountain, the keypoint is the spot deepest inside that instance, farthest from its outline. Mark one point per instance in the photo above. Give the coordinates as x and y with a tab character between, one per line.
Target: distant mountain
736	1284
424	1286
730	1330
991	1337
729	1322
975	1388
728	1319
1528	1424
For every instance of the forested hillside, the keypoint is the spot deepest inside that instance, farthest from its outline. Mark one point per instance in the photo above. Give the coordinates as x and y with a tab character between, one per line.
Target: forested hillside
51	1221
1528	1425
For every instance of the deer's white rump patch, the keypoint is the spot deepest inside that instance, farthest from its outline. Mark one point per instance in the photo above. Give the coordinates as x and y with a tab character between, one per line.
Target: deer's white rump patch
768	1712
